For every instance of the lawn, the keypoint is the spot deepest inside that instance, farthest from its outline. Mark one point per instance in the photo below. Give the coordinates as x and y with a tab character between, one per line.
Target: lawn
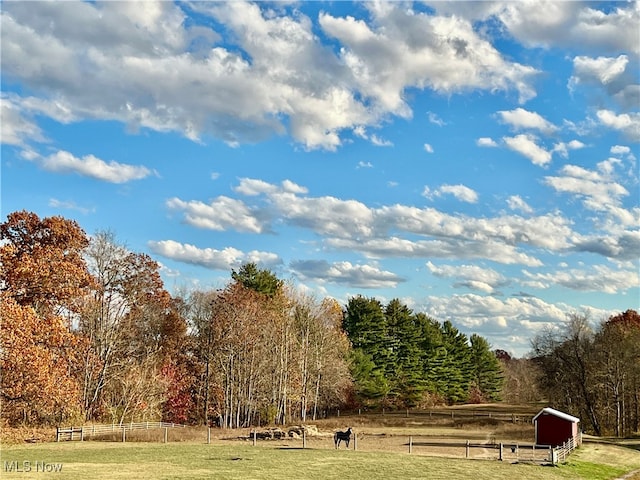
230	460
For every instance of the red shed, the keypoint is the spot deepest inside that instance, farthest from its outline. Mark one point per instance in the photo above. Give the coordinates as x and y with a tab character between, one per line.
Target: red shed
554	427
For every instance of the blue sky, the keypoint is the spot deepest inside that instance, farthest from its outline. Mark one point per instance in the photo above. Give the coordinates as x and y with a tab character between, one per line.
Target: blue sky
477	160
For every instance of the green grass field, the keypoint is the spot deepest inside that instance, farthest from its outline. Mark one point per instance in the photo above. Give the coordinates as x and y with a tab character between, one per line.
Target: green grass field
240	460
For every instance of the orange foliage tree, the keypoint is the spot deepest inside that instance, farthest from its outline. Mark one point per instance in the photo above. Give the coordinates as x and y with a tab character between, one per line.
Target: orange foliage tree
42	275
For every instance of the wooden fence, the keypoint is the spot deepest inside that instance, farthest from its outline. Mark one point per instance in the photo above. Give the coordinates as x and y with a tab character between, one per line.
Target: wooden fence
85	431
444	414
560	454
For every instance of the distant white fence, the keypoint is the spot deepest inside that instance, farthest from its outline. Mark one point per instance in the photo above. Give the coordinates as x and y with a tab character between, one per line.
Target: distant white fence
560	454
85	431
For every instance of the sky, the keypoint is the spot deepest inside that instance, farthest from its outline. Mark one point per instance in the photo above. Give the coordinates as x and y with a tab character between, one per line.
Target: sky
476	160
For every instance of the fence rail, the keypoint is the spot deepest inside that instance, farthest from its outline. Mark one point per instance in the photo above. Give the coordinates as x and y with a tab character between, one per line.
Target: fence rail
560	454
452	414
84	431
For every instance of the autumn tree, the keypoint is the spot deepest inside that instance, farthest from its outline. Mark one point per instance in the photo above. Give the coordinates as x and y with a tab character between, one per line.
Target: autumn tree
568	361
133	328
618	345
521	379
42	264
42	275
198	311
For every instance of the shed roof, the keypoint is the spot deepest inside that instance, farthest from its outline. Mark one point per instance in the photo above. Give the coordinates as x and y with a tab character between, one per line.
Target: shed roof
557	413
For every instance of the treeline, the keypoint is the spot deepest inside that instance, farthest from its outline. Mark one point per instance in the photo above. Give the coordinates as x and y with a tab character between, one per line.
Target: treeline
594	373
407	359
90	333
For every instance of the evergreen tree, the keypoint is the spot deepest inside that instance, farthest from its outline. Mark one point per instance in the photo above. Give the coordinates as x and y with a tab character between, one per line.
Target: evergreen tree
370	382
457	364
487	377
262	281
405	372
366	326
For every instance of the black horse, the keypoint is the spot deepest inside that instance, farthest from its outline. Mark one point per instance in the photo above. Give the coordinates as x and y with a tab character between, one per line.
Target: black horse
340	436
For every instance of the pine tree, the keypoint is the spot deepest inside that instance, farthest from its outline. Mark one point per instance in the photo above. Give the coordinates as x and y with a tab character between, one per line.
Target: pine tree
487	377
405	373
457	364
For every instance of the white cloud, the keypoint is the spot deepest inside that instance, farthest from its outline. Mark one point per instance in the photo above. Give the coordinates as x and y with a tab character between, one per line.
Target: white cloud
362	164
620	150
225	259
102	60
486	142
435	119
627	123
401	53
572	24
374	232
604	70
610	76
516	202
526	145
599	278
361	132
428	148
16	129
379	142
521	119
91	166
473	277
439	247
511	322
461	192
563	148
356	276
220	214
597	189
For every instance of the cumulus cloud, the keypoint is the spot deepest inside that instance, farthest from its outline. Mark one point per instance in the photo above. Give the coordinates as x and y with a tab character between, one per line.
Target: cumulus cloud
563	148
608	75
603	70
512	321
521	119
572	24
599	278
486	142
473	277
89	166
382	231
627	123
101	61
220	214
526	145
356	276
17	129
516	202
597	189
225	259
460	192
